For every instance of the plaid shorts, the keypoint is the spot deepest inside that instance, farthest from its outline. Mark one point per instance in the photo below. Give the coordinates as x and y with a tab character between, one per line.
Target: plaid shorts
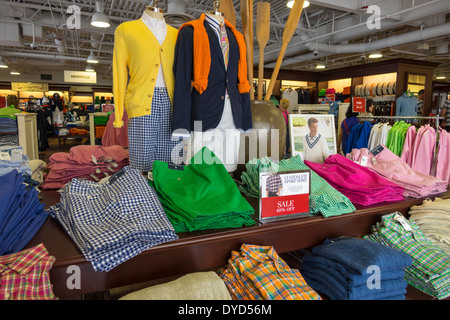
149	136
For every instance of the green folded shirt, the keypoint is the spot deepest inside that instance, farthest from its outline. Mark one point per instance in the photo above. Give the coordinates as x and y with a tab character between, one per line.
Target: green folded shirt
200	196
324	199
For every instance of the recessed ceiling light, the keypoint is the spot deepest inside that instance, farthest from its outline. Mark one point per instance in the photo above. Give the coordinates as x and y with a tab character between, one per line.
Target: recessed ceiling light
290	4
375	55
99	19
14	72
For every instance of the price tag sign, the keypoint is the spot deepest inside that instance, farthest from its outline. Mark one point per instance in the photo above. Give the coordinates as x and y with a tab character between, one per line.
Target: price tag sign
359	105
284	195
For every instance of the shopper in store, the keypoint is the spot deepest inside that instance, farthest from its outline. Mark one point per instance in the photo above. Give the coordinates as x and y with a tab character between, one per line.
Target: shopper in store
346	125
315	148
445	112
420	103
284	106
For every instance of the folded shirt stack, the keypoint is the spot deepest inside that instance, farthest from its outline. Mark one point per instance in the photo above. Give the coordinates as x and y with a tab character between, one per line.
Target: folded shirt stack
395	169
200	195
8	125
356	269
360	184
113	221
430	268
84	162
21	213
433	218
258	273
12	158
324	199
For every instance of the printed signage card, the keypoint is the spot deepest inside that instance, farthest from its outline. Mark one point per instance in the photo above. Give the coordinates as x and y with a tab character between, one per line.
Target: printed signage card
284	194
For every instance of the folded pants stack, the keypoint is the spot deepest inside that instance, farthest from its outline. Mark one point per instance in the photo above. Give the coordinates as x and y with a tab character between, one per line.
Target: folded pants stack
324	199
360	184
84	162
348	269
21	213
258	273
430	268
200	195
433	218
114	221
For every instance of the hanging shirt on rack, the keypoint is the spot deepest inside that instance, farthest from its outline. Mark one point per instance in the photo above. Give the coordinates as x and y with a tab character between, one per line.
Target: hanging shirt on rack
443	156
424	150
406	106
292	96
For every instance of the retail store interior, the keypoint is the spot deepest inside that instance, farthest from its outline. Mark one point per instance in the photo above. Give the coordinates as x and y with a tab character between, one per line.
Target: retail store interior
107	191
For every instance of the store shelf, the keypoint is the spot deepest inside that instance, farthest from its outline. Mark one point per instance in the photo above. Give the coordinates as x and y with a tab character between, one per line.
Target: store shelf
200	250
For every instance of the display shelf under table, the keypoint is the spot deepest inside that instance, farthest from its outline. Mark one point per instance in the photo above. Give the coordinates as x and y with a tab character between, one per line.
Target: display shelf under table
199	250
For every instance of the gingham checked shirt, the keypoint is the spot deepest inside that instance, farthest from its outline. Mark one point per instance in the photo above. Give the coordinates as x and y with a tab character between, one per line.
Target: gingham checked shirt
258	273
273	183
113	222
430	270
25	275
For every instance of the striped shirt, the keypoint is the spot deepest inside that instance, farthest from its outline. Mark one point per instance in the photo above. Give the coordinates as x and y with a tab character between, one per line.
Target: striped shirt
258	273
447	112
24	275
419	107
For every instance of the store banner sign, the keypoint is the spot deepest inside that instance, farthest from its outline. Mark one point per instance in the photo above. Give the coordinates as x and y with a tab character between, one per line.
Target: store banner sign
29	86
284	195
359	104
80	76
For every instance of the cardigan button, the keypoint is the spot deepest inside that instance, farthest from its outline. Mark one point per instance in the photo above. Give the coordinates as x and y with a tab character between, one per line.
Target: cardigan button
156	65
149	95
222	97
147	109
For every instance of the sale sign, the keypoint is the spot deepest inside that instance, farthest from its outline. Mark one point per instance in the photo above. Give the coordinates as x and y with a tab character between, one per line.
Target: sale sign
359	104
284	194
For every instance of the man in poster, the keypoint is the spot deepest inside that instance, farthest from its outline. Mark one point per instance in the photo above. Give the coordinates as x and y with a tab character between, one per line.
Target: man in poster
315	147
273	185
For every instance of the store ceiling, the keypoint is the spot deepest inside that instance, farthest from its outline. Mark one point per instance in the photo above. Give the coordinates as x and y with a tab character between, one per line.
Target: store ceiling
332	32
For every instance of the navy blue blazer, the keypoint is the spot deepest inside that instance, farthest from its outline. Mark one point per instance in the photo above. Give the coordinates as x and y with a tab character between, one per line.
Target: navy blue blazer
188	104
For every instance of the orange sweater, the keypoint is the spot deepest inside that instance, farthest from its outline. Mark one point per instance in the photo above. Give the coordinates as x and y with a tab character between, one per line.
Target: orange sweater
202	56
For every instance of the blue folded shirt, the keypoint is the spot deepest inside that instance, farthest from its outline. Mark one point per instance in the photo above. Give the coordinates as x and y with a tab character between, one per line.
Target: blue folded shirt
346	277
342	292
357	254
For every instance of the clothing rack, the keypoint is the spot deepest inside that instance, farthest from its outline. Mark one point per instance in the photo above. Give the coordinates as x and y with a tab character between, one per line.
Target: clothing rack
437	118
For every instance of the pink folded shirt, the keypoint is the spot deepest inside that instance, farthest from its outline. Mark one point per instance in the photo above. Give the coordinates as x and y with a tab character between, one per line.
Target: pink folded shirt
390	166
360	184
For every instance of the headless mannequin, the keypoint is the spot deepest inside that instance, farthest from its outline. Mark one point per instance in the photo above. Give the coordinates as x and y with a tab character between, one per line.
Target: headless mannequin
154	12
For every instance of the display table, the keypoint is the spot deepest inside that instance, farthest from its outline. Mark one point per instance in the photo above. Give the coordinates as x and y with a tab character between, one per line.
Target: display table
199	250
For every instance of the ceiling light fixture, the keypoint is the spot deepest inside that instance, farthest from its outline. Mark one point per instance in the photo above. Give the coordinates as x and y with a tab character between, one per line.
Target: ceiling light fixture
321	66
14	72
99	19
290	4
92	58
3	64
440	76
89	68
375	55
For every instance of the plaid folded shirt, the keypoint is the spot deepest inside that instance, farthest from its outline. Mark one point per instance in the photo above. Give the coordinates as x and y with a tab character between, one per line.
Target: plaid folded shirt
430	270
258	273
25	275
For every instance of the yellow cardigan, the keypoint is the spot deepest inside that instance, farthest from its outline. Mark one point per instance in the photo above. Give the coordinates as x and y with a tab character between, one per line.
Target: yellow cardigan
138	54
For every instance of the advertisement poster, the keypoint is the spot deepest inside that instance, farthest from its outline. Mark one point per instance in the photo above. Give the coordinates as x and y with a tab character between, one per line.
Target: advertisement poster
284	194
